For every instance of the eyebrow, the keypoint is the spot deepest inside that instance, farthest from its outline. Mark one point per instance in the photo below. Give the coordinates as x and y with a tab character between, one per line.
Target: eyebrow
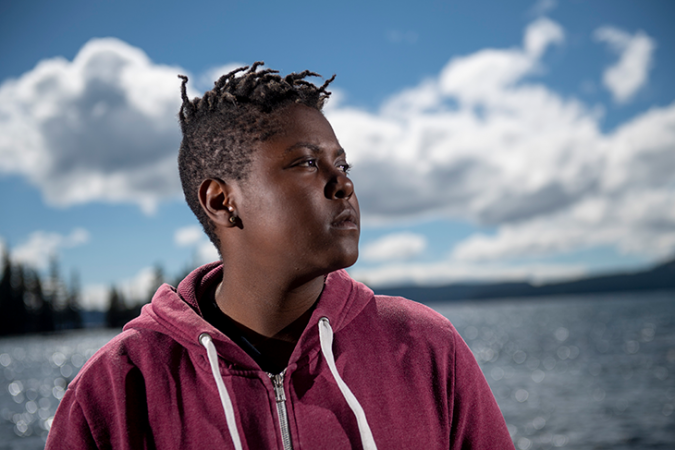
312	147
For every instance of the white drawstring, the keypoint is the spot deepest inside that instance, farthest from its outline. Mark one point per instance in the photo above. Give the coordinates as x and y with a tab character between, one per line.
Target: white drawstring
206	341
326	338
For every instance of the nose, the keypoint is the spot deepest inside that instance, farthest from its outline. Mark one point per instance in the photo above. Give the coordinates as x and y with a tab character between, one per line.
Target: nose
339	187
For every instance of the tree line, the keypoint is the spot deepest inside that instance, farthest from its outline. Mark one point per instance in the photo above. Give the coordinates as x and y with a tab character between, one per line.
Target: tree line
31	303
119	311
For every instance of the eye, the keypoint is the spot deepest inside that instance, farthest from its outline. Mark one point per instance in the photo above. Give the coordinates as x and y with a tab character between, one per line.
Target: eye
308	163
346	167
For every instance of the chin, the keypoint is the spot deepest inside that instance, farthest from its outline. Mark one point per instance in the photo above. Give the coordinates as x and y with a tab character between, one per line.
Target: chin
340	256
353	259
347	260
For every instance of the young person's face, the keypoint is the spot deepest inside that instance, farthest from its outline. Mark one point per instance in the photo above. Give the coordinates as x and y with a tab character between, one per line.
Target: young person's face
298	207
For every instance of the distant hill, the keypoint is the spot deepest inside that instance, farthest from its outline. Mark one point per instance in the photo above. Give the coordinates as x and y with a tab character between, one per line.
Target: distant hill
661	277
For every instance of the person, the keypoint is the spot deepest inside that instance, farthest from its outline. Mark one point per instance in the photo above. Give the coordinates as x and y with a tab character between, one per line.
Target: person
275	346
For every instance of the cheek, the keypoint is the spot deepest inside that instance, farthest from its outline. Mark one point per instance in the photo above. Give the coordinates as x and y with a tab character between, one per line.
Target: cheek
307	215
284	216
261	212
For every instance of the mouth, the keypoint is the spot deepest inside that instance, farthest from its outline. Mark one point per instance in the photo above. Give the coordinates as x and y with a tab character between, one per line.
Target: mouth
346	220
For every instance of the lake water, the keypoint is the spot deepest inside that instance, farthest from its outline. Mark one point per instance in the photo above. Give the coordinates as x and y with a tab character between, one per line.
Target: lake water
581	372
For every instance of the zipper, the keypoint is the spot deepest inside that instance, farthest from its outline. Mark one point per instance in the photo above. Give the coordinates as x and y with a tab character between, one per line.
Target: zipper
280	395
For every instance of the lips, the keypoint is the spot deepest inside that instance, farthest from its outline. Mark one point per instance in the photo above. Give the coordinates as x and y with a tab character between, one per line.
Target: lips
346	220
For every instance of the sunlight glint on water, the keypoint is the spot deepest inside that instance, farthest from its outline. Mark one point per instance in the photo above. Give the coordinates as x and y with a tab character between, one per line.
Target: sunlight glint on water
36	372
583	372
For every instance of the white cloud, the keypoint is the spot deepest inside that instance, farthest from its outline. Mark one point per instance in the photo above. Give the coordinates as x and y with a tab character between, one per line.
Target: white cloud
138	288
484	142
207	252
187	236
540	34
193	236
462	142
95	297
630	73
488	76
206	80
446	272
134	290
100	128
396	246
42	245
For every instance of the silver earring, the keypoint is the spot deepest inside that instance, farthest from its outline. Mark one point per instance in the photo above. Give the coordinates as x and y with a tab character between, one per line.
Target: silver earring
233	216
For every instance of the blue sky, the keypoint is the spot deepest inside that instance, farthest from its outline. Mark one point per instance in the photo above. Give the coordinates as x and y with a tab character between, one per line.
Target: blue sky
490	140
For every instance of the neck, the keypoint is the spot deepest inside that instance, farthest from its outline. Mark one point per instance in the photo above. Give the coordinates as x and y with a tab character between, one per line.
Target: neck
268	306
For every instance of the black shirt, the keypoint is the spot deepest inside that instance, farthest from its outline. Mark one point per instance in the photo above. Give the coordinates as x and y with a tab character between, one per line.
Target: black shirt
271	354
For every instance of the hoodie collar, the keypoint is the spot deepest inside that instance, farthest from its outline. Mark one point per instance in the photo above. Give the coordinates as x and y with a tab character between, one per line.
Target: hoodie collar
175	312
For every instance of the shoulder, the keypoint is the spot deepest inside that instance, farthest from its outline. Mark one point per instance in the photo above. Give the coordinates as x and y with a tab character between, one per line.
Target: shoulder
123	358
393	311
392	322
399	311
107	401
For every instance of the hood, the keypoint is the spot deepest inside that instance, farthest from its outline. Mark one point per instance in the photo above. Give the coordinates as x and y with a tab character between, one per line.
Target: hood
175	313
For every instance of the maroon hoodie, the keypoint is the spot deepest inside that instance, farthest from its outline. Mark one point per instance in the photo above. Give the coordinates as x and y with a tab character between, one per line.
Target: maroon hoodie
368	372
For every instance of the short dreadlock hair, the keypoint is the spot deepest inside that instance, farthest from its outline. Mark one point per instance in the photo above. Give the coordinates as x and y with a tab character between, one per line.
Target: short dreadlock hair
221	128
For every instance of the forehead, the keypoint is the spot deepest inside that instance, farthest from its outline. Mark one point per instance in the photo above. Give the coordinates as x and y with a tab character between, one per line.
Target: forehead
300	126
301	119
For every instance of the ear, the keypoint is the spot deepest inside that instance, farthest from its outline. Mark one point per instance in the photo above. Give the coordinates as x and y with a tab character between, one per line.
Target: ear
216	199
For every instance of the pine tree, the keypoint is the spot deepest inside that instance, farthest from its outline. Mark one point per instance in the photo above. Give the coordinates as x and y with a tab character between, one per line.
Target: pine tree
19	312
73	316
116	309
14	317
38	305
157	281
56	294
6	292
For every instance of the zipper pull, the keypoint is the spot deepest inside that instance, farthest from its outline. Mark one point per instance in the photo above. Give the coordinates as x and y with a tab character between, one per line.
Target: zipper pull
278	382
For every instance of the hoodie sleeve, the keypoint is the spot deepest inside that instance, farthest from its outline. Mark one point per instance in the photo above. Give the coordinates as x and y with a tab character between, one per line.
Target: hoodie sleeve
103	408
70	428
477	422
